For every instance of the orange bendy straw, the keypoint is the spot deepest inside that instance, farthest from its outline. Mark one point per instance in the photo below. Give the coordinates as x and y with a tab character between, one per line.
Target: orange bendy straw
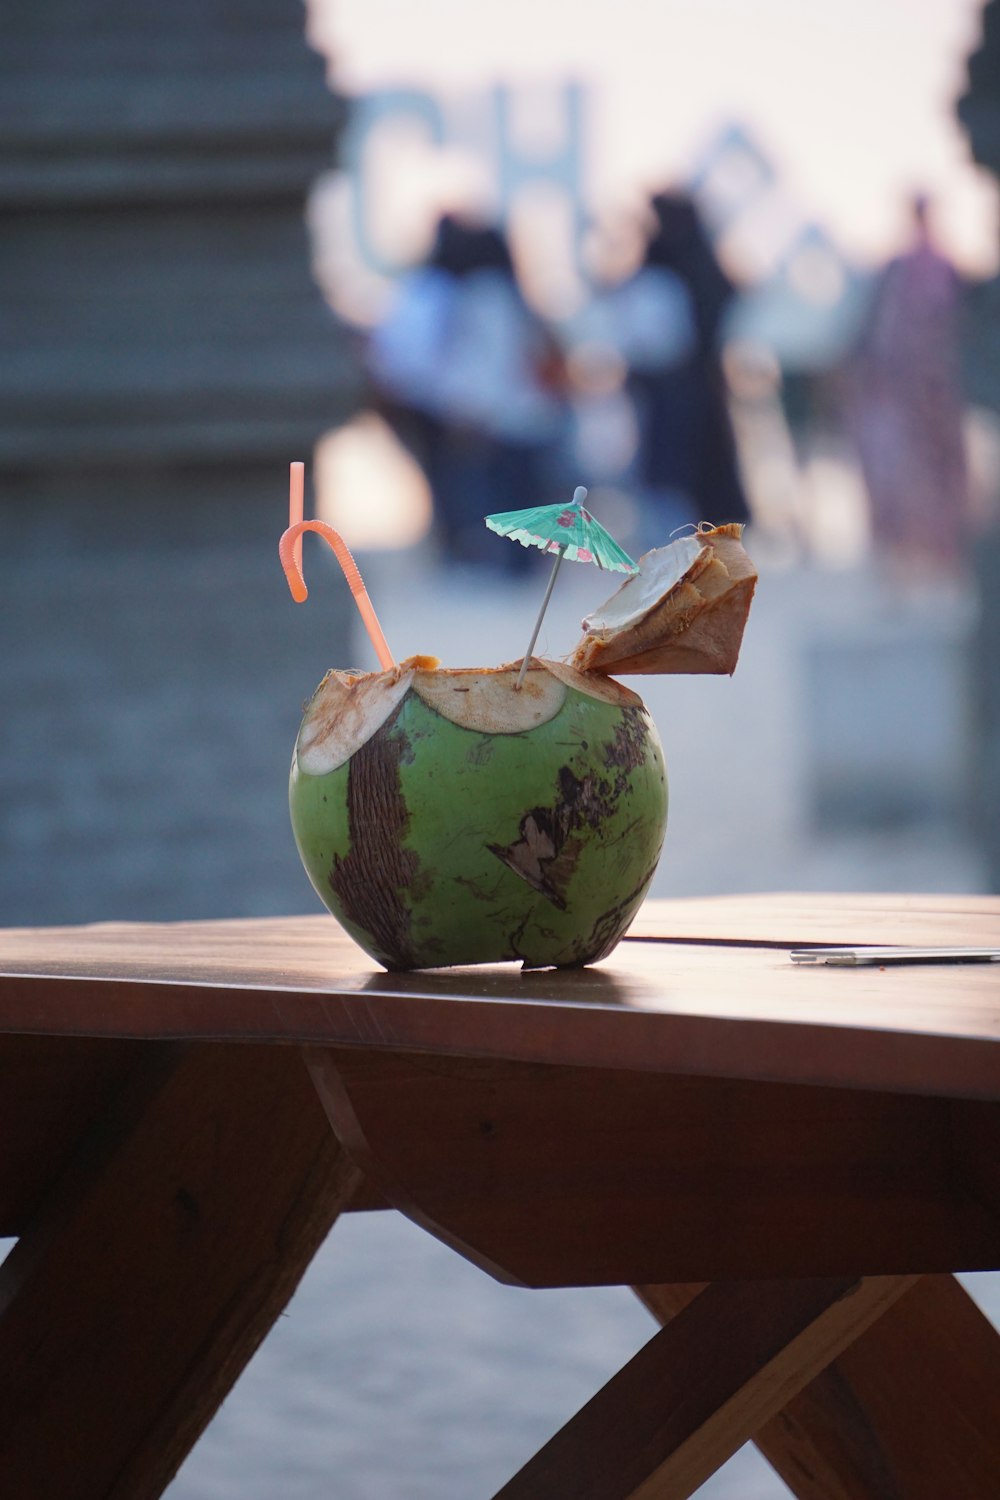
290	553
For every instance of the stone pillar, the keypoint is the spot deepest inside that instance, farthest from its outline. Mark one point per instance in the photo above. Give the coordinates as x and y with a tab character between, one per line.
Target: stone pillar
979	112
166	352
155	162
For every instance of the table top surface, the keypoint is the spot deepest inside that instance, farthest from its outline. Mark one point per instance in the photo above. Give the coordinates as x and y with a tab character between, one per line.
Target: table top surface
702	986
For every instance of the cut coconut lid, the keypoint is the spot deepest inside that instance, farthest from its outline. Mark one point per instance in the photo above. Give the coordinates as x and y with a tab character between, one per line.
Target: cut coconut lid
685	610
659	571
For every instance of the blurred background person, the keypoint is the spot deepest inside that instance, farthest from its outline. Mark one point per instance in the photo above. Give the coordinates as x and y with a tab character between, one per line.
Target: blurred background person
468	376
666	322
687	444
906	411
687	435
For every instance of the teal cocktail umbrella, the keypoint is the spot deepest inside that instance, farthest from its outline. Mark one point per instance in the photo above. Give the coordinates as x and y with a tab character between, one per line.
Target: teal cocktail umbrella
566	531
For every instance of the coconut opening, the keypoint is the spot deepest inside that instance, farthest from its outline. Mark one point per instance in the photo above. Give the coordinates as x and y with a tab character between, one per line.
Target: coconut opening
487	699
595	685
349	707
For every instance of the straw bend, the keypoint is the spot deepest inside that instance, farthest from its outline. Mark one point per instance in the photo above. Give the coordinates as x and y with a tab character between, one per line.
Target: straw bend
297	583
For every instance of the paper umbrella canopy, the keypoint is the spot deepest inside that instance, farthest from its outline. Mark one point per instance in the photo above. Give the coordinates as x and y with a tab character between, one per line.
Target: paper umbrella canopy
564	530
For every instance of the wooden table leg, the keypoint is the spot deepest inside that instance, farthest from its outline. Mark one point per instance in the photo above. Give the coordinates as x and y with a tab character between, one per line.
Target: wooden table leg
155	1266
700	1388
910	1411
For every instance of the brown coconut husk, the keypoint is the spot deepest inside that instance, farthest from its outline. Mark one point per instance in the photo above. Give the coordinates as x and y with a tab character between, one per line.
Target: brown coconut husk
696	626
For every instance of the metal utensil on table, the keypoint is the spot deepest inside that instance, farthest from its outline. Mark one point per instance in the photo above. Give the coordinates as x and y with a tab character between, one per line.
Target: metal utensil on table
848	957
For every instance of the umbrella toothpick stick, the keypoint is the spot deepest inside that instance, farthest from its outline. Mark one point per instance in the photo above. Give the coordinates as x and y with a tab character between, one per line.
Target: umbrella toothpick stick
538	623
569	531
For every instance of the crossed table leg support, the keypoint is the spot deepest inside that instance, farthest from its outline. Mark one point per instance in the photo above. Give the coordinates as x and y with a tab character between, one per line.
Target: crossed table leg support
157	1248
908	1410
856	1387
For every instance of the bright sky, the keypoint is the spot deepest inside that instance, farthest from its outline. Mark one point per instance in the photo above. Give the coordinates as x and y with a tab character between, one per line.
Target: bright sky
852	99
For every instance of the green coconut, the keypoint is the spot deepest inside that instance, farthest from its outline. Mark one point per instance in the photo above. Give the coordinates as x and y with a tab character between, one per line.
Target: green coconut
445	817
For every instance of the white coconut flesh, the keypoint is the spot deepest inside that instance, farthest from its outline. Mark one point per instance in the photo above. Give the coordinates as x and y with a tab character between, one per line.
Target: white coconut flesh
489	700
660	571
344	712
348	708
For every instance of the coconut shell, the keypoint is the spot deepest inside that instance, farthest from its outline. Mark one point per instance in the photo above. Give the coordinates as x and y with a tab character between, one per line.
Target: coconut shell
456	817
695	626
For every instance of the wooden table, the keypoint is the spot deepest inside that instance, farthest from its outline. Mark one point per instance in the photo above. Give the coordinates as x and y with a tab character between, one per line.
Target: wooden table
787	1164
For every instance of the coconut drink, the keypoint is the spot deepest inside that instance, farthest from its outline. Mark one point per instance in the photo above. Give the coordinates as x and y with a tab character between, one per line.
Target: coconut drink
450	817
477	815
